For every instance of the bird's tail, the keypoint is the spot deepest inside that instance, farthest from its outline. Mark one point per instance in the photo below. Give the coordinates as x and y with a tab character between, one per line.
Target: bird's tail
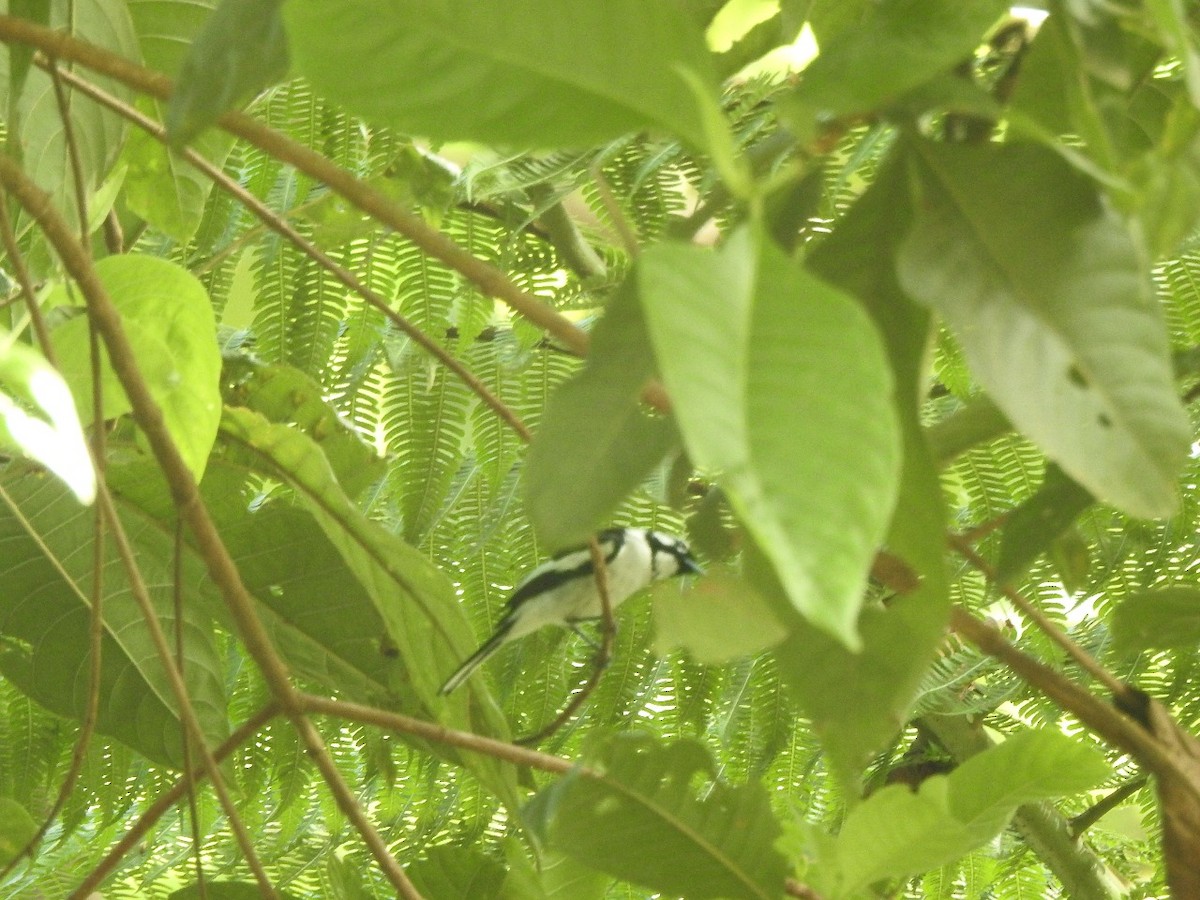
477	659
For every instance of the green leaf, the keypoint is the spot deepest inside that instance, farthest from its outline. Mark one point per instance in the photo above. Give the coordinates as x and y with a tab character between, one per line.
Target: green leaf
1175	26
159	186
283	393
1034	525
414	599
241	50
168	319
45	594
505	74
1166	618
643	821
17	828
163	188
718	619
1055	314
858	701
35	126
426	629
902	45
759	358
594	444
896	833
56	441
463	872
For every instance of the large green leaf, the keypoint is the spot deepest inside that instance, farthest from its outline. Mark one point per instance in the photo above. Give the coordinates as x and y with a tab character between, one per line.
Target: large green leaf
16	829
413	598
159	186
448	871
1055	313
644	822
595	444
896	832
98	134
168	319
241	50
1162	618
425	629
45	592
903	44
283	393
780	383
858	701
505	73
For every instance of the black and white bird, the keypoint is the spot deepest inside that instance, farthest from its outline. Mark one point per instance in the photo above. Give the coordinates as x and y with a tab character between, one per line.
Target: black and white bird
562	591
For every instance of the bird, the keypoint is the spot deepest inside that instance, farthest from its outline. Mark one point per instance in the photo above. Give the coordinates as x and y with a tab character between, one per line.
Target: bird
562	591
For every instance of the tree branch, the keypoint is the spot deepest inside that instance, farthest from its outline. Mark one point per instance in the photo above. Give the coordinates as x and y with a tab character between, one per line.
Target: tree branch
1103	807
1085	660
163	803
281	226
209	545
490	280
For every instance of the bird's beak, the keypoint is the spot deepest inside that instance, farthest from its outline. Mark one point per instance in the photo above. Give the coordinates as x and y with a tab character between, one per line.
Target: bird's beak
690	567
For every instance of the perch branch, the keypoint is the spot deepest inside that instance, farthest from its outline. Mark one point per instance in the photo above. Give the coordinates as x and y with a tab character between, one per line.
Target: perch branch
603	656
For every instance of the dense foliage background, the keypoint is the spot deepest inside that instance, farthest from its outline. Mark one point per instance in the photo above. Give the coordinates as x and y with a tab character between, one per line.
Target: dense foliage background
891	306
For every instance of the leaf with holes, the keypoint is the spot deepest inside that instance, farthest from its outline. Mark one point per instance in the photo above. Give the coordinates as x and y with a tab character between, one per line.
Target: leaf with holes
1055	313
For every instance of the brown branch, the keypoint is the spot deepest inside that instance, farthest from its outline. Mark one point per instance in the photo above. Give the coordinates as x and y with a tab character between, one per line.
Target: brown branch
162	805
1118	728
279	225
1084	659
1105	805
209	545
603	656
177	602
490	280
430	731
64	115
96	622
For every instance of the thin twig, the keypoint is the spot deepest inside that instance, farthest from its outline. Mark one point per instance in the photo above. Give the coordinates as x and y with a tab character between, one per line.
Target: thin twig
616	215
177	601
1084	659
490	280
64	114
163	803
187	712
220	565
96	621
278	224
603	653
430	731
1098	810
